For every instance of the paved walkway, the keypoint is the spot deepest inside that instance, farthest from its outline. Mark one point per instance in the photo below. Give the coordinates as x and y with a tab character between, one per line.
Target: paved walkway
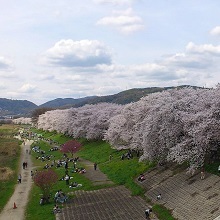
20	196
188	197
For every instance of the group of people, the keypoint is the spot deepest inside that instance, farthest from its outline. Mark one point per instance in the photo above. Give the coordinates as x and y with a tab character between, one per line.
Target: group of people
74	185
148	211
127	155
130	153
60	197
78	170
24	165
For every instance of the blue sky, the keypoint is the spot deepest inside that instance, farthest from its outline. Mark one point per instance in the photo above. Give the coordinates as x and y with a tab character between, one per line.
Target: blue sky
69	48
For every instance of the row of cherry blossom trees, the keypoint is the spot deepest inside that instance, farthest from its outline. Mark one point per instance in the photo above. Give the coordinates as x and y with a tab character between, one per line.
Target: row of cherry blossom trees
89	121
175	125
22	120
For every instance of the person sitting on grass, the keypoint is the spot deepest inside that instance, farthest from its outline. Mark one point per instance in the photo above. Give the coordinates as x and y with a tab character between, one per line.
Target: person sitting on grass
82	170
60	197
74	185
56	209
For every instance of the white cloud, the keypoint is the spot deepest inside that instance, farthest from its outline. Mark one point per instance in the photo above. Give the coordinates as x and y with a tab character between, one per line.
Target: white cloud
85	67
84	53
75	77
187	61
115	2
205	48
27	88
7	74
48	77
5	63
2	86
215	31
124	21
107	89
7	69
188	67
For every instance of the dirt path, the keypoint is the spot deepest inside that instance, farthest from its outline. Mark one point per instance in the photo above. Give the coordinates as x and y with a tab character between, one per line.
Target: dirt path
96	176
21	193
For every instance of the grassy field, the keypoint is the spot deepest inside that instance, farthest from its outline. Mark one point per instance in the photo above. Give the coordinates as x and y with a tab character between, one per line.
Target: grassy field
9	156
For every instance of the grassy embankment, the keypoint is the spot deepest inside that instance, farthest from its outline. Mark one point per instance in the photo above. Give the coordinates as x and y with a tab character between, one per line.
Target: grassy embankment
9	158
120	172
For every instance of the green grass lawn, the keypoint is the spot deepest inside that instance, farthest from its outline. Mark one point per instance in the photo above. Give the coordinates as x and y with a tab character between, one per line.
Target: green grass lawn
212	168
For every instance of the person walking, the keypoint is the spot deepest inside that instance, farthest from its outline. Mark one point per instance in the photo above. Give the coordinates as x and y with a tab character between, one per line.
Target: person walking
19	178
23	165
95	166
32	174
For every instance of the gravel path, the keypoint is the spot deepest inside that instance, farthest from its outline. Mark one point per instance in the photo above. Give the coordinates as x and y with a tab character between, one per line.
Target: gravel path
21	193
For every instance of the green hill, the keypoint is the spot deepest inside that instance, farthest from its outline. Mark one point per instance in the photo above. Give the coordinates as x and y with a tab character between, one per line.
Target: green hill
15	107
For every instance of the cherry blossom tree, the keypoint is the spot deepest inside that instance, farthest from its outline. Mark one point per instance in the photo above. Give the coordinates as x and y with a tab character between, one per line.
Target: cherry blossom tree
177	125
89	121
93	120
71	146
22	120
45	180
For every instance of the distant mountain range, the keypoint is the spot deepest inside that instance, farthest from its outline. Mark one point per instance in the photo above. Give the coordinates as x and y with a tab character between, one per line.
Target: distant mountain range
10	107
